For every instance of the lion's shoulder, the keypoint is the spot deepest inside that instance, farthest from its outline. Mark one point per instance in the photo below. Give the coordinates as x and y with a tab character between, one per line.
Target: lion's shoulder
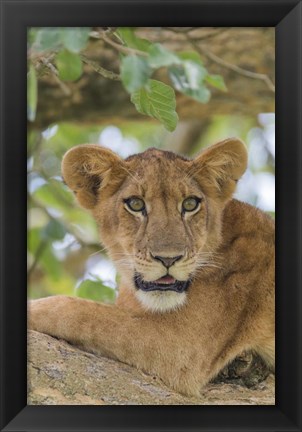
240	216
248	238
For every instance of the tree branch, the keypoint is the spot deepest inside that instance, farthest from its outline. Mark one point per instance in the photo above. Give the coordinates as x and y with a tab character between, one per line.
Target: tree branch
235	68
202	50
121	48
53	365
100	70
54	73
185	31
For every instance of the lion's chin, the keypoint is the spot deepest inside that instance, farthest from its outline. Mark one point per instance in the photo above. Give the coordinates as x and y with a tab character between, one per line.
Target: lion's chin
161	301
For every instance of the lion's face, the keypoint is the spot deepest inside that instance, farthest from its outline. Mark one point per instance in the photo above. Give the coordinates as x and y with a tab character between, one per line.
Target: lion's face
159	214
160	221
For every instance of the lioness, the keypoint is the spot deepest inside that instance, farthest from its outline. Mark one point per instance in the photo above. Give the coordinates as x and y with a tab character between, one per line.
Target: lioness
197	267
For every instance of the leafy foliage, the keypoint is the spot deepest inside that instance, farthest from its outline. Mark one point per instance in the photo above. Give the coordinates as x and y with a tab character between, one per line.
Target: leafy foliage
140	60
32	93
135	72
95	290
216	81
73	39
159	56
157	100
129	39
69	65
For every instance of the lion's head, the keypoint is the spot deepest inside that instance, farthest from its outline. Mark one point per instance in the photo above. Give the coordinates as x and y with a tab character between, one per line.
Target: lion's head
159	214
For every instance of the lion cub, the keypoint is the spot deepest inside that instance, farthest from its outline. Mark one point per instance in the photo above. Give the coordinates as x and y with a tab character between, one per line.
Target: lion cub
197	267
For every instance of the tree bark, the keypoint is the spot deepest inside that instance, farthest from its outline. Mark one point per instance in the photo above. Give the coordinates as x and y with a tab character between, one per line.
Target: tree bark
61	374
243	56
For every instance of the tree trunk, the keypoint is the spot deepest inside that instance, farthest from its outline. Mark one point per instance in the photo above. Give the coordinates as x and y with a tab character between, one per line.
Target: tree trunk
61	374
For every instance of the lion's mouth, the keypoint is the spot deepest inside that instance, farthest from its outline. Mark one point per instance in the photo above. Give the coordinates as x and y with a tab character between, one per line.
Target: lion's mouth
166	283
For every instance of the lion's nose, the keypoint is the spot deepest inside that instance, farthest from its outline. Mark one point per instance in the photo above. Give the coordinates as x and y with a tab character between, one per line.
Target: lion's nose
168	261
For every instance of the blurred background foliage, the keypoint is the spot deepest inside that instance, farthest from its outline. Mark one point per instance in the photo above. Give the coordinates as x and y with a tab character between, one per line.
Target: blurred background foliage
65	254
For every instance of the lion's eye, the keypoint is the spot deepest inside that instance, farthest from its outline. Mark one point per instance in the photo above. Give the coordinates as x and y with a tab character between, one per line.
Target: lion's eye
135	204
190	204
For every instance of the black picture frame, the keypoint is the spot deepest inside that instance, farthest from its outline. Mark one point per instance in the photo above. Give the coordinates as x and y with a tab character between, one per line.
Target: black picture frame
16	16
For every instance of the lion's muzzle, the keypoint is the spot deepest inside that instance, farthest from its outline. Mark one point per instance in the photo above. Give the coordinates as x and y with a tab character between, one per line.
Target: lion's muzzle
166	283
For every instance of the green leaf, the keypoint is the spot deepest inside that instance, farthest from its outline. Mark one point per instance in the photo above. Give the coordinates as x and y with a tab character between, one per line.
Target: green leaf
50	263
33	239
134	72
189	80
190	55
129	38
41	249
54	230
195	74
47	38
75	38
32	93
69	65
54	195
160	56
95	290
157	100
216	81
31	35
50	38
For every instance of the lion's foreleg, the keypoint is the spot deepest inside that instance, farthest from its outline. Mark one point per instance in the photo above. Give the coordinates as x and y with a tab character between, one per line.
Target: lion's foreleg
141	341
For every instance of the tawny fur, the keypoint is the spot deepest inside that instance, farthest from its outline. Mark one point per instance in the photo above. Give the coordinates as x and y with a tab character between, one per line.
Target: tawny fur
228	252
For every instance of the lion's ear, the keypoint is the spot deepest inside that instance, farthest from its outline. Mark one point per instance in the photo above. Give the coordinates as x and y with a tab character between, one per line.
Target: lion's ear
86	167
219	167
